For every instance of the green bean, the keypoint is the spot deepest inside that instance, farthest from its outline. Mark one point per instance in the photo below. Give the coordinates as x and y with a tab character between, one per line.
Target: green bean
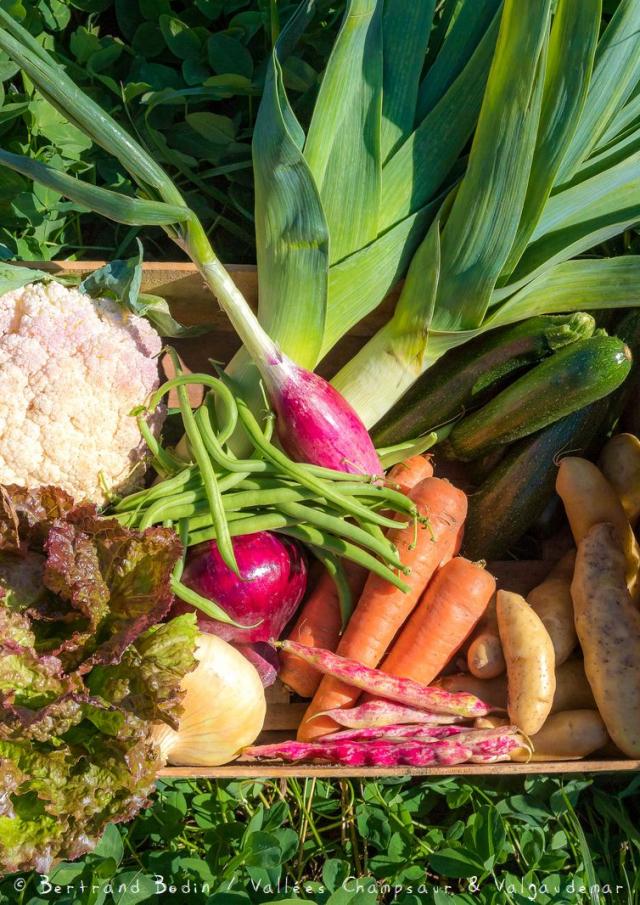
189	504
341	528
316	538
183	534
217	453
335	569
268	521
177	482
180	381
209	479
167	461
322	488
208	607
388	497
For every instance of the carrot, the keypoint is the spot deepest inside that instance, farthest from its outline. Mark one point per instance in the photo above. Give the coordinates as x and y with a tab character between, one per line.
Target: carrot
319	623
410	472
448	612
382	608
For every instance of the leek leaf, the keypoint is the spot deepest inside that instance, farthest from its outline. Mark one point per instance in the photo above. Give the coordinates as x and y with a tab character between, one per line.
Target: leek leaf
358	283
608	157
292	241
478	235
343	141
581	217
616	74
402	342
572	47
121	208
56	86
406	29
417	170
460	44
583	285
627	117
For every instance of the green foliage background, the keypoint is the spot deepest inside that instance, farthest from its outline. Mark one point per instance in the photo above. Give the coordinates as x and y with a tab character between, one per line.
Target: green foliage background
187	75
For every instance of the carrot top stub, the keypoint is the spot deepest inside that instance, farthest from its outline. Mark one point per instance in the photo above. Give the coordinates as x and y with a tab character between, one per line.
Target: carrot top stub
405	691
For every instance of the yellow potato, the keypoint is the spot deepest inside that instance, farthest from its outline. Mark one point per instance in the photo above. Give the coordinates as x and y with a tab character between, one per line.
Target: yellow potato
570	735
608	626
485	659
491	691
573	691
620	464
529	655
552	601
589	499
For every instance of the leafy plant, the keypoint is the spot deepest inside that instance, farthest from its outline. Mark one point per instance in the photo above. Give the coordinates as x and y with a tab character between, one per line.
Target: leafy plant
357	843
187	76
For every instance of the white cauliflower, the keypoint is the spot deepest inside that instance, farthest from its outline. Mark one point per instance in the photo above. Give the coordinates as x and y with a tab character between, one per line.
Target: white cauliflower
71	370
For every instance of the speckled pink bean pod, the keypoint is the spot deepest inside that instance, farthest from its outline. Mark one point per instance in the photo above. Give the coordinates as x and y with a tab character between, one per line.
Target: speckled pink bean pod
385	713
405	691
424	733
367	753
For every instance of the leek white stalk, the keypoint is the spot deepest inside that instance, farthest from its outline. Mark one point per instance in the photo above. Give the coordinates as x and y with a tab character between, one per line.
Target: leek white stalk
223	708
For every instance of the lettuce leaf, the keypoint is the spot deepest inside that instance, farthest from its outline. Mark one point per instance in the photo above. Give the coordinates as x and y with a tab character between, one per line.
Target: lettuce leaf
86	667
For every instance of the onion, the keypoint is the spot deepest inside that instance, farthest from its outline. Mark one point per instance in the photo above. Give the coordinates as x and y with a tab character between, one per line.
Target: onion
315	423
223	709
272	582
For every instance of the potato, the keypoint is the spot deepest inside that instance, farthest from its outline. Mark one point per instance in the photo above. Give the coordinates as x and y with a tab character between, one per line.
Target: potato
573	691
608	626
529	655
589	499
485	659
569	735
620	464
492	691
552	601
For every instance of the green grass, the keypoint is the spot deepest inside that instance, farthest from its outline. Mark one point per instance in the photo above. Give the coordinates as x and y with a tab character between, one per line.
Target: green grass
500	841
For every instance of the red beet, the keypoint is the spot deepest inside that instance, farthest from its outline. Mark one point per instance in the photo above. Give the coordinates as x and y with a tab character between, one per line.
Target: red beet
273	582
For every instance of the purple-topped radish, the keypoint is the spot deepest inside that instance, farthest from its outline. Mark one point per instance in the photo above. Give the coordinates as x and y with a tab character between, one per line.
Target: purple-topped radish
272	582
315	423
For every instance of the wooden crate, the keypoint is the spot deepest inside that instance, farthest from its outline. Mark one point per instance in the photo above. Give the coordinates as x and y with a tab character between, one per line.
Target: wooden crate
191	303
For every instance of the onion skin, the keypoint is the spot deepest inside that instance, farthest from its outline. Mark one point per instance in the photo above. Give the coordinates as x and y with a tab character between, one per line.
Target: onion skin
316	424
274	579
223	709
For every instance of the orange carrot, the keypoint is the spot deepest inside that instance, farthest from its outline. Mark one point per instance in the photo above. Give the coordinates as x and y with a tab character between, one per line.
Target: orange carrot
448	612
410	472
383	608
320	621
318	625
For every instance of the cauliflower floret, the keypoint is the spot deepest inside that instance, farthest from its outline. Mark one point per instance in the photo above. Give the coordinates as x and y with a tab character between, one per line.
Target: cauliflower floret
71	370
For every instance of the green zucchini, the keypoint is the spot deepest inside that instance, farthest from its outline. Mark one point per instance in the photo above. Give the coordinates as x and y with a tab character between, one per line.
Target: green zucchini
627	403
574	377
516	494
465	377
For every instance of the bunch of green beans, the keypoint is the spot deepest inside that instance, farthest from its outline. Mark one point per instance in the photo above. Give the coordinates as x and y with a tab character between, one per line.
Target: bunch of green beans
218	496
